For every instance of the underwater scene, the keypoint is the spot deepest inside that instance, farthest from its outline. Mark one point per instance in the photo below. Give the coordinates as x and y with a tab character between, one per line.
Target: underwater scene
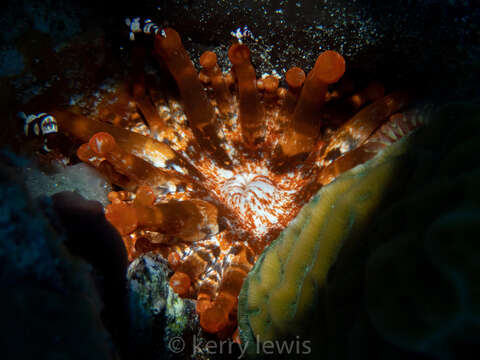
245	179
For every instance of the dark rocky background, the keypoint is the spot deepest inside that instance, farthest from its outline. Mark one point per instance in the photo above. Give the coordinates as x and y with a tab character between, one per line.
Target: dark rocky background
431	44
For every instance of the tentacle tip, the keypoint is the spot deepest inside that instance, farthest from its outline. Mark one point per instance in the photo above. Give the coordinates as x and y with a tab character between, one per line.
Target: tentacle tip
167	40
84	152
208	59
295	77
123	217
238	54
329	67
180	283
270	83
213	319
102	143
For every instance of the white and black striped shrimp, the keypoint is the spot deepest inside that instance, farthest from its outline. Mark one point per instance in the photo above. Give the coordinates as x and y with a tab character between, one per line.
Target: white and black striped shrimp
41	125
138	25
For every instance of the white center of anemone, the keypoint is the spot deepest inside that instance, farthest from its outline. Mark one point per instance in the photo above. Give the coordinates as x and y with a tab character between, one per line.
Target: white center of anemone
253	198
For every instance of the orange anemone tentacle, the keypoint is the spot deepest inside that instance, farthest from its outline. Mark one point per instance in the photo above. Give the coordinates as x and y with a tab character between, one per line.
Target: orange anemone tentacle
197	107
208	61
305	123
251	110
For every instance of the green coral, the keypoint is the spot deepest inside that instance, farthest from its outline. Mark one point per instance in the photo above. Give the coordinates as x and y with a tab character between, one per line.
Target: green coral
277	297
406	280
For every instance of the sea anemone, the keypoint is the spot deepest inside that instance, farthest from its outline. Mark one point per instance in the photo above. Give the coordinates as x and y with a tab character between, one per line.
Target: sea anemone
209	181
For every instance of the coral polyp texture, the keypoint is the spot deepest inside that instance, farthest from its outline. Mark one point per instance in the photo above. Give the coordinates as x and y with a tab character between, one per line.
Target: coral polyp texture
277	298
208	181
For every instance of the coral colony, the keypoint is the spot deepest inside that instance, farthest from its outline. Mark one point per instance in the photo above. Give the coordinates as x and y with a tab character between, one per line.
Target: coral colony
211	181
